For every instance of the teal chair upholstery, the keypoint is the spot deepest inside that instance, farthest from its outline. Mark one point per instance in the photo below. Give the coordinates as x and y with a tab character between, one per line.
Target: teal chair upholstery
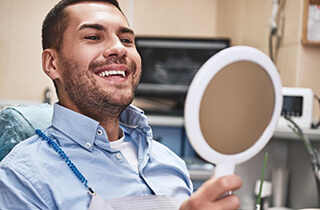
19	123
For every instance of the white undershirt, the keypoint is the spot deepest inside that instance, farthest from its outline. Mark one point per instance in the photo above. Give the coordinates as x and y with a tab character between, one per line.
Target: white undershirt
128	149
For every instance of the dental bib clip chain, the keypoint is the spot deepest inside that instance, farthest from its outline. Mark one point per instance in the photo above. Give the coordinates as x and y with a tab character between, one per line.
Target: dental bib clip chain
69	163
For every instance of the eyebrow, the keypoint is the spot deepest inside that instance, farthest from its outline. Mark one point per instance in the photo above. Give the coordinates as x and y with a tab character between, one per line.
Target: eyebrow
100	27
124	30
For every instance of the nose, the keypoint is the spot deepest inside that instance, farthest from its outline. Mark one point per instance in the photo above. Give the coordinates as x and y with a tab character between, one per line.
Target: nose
115	47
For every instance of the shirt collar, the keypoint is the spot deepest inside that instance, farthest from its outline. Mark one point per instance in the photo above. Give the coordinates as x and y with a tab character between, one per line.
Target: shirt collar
83	129
78	127
133	117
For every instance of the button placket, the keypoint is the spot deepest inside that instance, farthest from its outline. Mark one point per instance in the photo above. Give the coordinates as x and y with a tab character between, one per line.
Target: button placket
88	145
99	132
119	156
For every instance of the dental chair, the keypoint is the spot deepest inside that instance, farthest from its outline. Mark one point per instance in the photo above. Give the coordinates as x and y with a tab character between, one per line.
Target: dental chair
19	123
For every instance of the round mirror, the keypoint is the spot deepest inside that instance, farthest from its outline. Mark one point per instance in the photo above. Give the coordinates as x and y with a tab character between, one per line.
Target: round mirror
232	107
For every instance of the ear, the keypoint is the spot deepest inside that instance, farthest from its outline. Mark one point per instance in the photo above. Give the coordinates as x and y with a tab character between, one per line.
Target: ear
49	63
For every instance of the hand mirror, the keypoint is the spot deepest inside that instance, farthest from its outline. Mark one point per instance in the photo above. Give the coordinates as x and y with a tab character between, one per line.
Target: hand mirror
232	107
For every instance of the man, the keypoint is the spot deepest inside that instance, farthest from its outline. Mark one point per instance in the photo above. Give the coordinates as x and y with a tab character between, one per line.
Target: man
97	141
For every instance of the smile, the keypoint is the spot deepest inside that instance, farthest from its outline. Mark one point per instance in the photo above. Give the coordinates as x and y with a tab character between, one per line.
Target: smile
112	73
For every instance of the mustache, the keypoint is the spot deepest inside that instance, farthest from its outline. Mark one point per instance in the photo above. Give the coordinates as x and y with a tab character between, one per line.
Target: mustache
111	60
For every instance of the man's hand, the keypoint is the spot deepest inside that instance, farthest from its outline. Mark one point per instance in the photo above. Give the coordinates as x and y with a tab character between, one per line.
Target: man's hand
210	195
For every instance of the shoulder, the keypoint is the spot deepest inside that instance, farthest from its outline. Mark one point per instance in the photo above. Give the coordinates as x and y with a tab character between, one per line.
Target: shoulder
19	175
165	154
29	157
25	154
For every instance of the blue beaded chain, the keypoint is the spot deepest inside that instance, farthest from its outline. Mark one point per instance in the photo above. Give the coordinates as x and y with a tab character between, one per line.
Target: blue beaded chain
63	155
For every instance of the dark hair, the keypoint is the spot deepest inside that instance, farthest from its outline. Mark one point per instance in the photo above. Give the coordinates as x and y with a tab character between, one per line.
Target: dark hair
56	22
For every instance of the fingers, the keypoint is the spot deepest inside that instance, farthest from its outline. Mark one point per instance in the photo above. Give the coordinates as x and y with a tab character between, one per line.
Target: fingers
213	189
227	203
209	195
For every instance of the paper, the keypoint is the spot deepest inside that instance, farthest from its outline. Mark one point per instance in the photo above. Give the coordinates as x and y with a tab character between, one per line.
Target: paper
314	23
150	202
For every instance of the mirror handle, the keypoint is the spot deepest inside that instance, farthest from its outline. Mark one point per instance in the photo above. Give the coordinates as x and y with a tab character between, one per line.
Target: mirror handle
224	168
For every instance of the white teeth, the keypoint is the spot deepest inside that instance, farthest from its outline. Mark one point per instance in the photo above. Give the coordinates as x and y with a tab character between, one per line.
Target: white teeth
109	73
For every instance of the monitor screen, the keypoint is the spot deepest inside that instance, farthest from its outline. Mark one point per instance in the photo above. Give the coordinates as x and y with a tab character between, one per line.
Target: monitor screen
168	67
292	106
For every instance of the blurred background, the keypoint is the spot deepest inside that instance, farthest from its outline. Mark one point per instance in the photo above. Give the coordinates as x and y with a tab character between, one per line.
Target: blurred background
278	28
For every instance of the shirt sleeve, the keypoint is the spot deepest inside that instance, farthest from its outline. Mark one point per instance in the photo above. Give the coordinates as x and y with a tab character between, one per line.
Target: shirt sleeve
17	192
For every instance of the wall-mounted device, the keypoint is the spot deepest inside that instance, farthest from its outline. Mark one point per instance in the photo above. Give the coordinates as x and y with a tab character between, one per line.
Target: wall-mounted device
298	104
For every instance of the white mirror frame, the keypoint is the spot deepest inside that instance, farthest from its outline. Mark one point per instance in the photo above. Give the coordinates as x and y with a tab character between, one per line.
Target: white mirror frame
225	164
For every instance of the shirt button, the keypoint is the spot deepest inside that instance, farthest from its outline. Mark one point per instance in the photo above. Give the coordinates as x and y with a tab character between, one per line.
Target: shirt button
99	132
88	145
119	156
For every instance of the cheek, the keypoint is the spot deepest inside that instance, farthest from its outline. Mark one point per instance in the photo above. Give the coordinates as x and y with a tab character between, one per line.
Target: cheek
82	55
85	57
138	69
136	59
139	63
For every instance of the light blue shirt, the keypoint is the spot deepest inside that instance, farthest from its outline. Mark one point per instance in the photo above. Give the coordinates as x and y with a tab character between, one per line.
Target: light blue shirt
34	176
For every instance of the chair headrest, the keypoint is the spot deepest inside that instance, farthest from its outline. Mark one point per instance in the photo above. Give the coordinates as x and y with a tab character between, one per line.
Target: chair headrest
19	123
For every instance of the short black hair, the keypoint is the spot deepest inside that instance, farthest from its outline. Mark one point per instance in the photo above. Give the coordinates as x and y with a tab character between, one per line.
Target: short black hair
56	22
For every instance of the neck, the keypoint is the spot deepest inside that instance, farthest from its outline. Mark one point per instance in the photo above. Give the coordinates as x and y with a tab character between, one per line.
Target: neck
108	120
112	128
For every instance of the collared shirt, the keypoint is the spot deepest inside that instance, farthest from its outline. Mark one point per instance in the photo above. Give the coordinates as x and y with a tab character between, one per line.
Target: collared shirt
34	176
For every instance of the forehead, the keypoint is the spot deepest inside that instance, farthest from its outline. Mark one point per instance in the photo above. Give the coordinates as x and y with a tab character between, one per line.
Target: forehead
95	12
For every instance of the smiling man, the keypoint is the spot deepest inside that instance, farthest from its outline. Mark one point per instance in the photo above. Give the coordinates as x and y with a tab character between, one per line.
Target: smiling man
97	69
98	142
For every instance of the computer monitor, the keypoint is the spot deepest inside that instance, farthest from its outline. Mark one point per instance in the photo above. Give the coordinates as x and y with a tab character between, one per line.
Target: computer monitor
168	66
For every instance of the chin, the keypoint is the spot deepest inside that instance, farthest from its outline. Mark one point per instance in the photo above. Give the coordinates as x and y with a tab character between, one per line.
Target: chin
123	101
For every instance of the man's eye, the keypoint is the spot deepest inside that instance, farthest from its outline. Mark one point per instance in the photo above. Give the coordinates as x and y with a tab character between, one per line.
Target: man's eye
92	37
127	41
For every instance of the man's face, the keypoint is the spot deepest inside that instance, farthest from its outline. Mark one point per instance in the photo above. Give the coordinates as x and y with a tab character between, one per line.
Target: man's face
98	62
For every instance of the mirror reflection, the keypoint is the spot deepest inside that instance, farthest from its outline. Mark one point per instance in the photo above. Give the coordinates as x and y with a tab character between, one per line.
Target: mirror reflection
236	107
